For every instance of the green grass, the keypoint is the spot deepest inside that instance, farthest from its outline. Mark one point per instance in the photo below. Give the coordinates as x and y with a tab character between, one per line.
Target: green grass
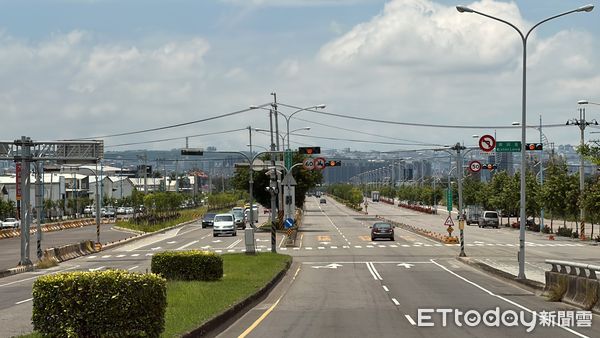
189	304
185	216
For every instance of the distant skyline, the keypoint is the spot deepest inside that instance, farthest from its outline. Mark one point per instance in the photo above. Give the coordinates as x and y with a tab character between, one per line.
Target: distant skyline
83	68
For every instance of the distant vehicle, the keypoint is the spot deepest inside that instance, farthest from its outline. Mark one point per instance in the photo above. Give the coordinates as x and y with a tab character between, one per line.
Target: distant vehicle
375	196
208	220
239	217
473	213
224	224
254	214
489	219
109	212
121	210
88	210
102	212
129	210
382	230
322	201
11	223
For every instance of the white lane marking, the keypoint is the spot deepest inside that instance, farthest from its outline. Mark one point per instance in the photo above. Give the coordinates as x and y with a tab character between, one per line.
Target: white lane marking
219	251
371	271
186	245
91	257
156	248
135	255
321	247
358	246
230	250
296	248
386	288
171	242
133	267
282	249
504	299
405	245
282	240
119	256
346	247
393	246
23	301
410	320
97	269
333	247
395	302
234	244
370	246
308	248
378	276
149	254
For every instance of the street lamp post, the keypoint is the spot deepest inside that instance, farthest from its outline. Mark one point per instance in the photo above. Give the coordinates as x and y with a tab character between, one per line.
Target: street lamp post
524	37
581	123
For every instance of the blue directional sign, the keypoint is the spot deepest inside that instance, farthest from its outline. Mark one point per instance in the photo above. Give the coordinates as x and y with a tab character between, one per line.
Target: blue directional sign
288	223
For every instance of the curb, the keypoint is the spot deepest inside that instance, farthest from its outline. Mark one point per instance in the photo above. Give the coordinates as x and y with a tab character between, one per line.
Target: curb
239	308
142	235
14	271
531	285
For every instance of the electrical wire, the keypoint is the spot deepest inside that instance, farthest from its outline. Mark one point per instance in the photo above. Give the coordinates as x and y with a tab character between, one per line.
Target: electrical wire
174	138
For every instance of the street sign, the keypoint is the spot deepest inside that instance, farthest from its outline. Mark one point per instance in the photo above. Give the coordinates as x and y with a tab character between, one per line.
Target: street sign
288	159
449	199
487	143
18	178
192	151
475	166
319	163
508	146
309	164
449	221
461	224
288	223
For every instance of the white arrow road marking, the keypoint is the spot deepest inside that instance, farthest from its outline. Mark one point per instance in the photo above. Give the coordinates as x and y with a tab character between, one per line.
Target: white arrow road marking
185	246
406	265
328	266
96	269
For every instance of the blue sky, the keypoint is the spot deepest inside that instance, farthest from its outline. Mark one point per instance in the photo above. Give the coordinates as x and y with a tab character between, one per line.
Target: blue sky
86	68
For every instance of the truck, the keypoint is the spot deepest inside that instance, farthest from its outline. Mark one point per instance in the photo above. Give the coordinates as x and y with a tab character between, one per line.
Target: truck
473	213
375	196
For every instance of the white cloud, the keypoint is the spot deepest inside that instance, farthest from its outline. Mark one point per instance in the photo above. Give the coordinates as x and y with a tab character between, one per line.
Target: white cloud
294	3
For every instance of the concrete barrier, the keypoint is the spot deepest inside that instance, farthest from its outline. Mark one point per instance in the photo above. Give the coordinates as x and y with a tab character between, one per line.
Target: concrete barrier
573	283
70	251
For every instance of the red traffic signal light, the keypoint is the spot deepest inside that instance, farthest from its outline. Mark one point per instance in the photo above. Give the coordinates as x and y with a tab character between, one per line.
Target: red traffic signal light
333	163
489	166
309	150
533	146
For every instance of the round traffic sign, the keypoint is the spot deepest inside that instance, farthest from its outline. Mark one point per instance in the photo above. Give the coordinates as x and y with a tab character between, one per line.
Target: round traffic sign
288	223
319	163
309	164
487	143
475	166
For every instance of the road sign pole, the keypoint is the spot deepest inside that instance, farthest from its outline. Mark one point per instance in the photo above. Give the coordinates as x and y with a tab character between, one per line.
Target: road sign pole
459	173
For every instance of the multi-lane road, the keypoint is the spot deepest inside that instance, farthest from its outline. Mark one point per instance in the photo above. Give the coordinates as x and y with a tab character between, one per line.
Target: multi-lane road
343	285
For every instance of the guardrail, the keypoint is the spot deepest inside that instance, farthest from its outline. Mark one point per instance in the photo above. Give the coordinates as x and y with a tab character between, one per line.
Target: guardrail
574	283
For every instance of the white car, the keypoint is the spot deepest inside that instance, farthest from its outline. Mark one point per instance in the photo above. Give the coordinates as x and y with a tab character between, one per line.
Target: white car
224	224
11	223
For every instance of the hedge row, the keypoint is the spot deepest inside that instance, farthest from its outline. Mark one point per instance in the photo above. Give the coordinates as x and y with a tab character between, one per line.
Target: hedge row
110	303
188	265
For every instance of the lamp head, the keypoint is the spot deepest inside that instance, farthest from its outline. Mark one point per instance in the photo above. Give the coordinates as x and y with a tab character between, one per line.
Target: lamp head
583	102
253	107
321	106
516	123
465	9
586	8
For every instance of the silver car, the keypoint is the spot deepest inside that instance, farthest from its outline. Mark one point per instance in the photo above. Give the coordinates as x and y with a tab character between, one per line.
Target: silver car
224	224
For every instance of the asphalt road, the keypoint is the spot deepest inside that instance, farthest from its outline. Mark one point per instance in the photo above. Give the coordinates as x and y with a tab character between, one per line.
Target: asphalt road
341	284
10	248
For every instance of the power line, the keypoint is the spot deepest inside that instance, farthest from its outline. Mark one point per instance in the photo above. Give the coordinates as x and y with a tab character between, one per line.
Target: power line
175	125
429	125
174	138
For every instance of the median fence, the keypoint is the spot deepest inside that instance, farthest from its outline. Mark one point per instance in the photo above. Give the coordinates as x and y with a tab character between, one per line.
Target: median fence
10	233
574	283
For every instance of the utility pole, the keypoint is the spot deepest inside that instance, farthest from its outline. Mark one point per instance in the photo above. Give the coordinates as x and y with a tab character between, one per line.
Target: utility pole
541	176
459	176
581	123
272	188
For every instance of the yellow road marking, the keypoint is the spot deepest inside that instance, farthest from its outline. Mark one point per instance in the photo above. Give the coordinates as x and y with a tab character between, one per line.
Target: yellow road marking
324	238
408	238
365	238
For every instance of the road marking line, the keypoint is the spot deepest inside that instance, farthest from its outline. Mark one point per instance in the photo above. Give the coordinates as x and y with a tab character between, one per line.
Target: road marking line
321	247
135	255
358	246
186	245
410	320
296	274
23	301
234	244
386	288
301	238
171	242
219	251
371	271
133	267
370	246
282	249
92	257
405	245
296	248
378	276
308	248
106	256
395	302
97	269
280	243
346	247
230	250
119	256
503	298
333	247
149	254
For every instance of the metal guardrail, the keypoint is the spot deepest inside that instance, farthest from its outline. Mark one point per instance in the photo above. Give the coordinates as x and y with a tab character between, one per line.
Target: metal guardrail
585	270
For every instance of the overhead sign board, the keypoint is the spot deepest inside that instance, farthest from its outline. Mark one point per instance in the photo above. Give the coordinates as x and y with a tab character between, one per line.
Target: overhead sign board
487	143
508	146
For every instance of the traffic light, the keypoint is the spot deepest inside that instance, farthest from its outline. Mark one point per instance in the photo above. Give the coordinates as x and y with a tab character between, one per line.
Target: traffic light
489	166
309	150
192	151
533	146
333	163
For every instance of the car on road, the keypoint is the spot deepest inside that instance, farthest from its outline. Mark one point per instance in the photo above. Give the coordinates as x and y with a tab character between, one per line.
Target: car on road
11	223
489	219
109	212
238	214
88	209
121	210
224	224
322	201
382	230
208	220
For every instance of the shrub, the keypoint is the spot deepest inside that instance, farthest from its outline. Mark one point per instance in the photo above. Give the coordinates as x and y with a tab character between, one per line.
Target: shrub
575	234
106	303
546	230
188	265
564	231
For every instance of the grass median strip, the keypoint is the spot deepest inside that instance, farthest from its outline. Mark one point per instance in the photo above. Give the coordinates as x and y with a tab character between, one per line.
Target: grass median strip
190	304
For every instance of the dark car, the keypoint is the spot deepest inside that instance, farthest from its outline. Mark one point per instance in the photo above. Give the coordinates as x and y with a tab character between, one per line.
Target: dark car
322	201
382	230
208	220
